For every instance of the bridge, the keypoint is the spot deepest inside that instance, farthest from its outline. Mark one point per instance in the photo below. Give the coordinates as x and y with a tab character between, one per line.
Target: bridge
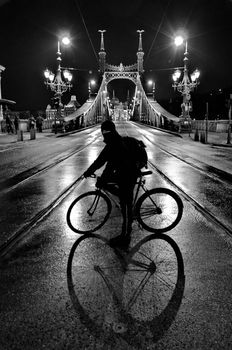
142	109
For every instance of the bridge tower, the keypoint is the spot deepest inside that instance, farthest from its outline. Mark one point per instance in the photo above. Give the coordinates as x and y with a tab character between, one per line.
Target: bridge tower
140	53
102	54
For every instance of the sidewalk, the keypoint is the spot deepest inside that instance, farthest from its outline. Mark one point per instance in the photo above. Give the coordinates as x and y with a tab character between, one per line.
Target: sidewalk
214	138
13	138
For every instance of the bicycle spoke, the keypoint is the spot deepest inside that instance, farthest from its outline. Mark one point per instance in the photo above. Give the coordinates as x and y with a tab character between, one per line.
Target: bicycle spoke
169	285
146	212
139	264
137	291
145	256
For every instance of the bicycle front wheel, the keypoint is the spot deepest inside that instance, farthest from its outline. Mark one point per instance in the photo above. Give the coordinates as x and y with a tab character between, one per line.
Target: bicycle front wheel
159	210
89	212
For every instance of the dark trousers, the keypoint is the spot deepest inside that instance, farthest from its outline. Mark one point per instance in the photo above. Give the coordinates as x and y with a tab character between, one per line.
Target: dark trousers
125	191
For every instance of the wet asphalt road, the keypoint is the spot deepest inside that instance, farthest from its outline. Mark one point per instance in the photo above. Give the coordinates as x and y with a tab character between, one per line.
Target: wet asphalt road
38	308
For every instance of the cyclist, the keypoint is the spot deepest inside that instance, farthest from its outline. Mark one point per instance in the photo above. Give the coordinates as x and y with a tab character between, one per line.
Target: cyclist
119	176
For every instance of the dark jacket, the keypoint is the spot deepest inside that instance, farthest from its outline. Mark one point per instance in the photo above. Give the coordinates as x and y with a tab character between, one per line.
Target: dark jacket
118	161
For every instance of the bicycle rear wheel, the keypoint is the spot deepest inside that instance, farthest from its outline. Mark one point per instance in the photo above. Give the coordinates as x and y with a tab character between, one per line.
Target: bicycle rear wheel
159	210
88	212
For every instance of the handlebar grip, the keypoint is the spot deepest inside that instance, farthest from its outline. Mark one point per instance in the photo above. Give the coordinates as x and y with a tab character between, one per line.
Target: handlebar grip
144	173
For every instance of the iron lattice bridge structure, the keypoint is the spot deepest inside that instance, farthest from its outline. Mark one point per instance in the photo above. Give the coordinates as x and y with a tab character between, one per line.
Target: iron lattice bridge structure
144	108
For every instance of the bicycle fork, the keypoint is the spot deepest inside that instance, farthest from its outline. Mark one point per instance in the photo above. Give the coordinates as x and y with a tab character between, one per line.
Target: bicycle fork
94	205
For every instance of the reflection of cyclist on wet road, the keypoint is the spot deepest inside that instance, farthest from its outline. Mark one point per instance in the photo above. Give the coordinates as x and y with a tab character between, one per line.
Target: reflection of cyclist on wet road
120	169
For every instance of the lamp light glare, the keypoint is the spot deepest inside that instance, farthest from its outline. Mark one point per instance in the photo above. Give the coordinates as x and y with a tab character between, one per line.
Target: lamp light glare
176	75
197	73
66	40
51	76
178	40
69	77
66	73
46	73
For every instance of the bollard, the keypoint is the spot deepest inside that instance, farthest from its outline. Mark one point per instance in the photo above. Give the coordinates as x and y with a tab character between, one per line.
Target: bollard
20	135
32	134
229	136
202	137
196	136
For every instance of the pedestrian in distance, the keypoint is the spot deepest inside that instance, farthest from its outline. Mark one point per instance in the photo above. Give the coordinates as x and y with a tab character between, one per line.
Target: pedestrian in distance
16	123
9	125
32	122
118	177
39	123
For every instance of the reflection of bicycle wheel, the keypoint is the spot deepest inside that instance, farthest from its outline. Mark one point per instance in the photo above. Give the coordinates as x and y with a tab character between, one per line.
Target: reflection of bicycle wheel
153	288
134	295
89	212
159	210
93	273
154	266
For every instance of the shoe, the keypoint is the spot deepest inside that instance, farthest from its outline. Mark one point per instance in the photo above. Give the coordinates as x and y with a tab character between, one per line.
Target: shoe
120	241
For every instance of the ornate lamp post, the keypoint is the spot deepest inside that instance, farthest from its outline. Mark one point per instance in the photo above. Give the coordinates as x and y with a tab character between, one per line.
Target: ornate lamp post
56	83
185	84
152	84
90	83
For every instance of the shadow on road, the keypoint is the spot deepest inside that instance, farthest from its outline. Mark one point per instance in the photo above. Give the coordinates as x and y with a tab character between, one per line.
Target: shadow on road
132	295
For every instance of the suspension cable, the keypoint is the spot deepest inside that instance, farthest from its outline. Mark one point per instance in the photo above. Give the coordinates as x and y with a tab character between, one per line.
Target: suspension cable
161	22
82	18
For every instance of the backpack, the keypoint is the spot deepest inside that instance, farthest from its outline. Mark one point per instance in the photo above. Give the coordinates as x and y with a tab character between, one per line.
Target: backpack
137	151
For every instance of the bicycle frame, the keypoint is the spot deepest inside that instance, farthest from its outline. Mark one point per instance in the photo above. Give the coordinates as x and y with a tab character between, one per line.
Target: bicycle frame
149	208
140	185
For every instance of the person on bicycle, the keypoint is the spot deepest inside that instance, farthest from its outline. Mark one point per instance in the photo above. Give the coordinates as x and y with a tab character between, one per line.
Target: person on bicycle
121	170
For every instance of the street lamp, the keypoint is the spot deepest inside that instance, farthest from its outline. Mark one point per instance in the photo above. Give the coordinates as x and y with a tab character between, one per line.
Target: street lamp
152	84
90	83
56	83
186	84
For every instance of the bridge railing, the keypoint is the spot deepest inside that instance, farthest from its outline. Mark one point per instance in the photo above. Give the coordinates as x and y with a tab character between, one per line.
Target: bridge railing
147	110
91	112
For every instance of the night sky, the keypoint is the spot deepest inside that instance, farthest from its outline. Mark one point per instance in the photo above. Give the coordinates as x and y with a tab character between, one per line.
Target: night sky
29	31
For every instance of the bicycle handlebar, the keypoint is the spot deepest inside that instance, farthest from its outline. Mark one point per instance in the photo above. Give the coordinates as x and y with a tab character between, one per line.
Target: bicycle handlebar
142	173
92	175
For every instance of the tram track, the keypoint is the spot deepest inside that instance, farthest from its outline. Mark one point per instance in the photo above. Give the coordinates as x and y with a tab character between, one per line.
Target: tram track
21	233
216	174
219	174
19	179
202	209
9	245
211	172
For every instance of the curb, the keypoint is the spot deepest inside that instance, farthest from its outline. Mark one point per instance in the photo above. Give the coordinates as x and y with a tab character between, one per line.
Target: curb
44	136
163	130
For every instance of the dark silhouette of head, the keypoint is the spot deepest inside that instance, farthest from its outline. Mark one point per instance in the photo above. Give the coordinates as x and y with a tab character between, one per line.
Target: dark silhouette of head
108	130
108	125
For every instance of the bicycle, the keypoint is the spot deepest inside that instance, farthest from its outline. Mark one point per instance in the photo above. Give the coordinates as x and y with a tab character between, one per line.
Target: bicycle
157	210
